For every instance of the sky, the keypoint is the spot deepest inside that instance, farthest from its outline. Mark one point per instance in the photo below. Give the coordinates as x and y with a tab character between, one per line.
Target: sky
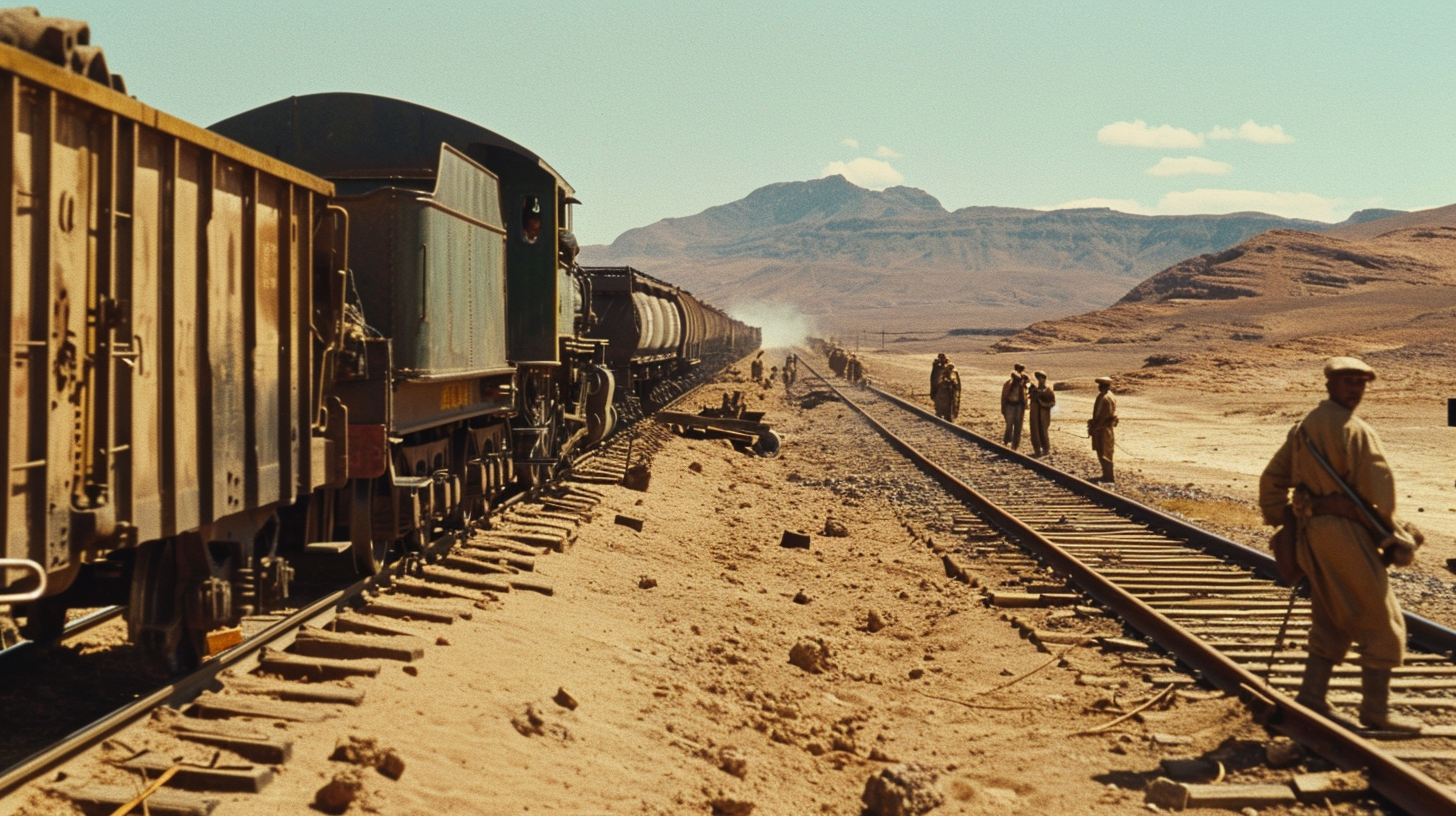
657	110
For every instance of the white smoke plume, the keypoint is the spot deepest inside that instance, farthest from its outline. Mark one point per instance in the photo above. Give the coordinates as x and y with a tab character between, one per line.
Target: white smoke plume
783	325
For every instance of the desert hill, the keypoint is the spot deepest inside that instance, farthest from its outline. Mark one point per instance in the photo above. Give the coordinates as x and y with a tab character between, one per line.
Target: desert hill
1285	294
899	259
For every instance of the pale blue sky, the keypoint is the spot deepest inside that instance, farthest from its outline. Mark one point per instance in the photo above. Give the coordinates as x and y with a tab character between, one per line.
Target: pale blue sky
662	109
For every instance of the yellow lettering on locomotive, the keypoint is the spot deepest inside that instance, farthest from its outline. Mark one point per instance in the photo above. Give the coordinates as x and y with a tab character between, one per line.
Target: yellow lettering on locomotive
454	395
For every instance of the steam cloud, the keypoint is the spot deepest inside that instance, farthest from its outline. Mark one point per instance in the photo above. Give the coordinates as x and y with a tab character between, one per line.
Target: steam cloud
783	324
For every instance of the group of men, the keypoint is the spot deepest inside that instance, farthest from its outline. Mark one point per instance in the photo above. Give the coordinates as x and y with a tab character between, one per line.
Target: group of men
846	364
790	371
1329	484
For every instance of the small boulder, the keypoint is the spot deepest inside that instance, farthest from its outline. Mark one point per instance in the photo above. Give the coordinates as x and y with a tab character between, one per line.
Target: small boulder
901	790
565	700
876	621
340	792
811	655
646	582
834	528
732	761
801	598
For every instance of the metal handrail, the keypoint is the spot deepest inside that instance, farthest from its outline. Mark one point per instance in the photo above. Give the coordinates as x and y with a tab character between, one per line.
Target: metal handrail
24	597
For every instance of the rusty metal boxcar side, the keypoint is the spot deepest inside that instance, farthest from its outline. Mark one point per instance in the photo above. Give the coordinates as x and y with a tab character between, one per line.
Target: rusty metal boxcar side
158	279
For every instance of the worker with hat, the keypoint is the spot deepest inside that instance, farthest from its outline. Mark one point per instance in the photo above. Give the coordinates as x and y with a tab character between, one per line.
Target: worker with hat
948	393
1042	399
1100	427
1347	535
1013	405
935	370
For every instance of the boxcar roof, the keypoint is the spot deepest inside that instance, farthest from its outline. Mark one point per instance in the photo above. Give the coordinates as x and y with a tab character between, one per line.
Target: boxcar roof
361	136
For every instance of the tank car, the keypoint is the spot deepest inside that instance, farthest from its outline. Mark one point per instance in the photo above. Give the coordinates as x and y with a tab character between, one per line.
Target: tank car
659	337
164	387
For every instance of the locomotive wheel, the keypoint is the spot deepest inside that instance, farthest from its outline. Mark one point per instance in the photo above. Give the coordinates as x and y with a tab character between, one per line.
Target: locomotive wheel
168	646
45	621
370	552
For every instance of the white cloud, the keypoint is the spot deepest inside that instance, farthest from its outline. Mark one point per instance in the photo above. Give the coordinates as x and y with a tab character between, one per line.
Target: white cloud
869	173
1190	165
1138	134
1289	205
1126	205
1215	202
850	143
886	153
1250	131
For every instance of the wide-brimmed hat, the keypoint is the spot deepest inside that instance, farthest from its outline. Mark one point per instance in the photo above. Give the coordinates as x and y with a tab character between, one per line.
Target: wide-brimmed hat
1103	381
1347	365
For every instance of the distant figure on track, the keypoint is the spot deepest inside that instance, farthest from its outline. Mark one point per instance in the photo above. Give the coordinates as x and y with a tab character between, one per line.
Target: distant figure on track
854	369
755	368
1339	544
1100	427
837	361
1042	399
948	393
935	370
1013	405
791	369
773	377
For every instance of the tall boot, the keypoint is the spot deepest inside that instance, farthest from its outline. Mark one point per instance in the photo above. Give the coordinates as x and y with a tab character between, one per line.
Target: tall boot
1106	471
1375	703
1316	684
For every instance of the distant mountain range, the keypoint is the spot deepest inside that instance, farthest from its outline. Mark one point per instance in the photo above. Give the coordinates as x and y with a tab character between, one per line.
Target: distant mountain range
897	259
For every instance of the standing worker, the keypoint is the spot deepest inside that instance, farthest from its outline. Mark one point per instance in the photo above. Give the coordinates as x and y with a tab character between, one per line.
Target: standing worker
1340	545
1100	427
755	369
791	369
935	371
948	393
854	369
1042	399
1013	405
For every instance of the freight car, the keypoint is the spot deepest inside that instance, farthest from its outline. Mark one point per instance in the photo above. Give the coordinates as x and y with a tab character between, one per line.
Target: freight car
204	384
659	337
168	345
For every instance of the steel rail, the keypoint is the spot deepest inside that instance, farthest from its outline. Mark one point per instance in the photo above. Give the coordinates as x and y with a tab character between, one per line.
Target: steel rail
73	628
243	657
1398	781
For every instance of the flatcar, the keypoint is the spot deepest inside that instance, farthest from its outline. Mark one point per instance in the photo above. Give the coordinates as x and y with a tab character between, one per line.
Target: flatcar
337	319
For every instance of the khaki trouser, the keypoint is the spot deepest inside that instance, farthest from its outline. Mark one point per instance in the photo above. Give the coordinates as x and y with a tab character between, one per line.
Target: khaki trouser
1014	413
1103	443
1041	418
1350	595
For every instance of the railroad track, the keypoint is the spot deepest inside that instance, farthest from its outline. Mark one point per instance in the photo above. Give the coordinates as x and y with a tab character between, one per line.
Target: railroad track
1210	602
527	525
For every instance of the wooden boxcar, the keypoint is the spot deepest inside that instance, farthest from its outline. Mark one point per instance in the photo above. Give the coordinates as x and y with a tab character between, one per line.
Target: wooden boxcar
162	387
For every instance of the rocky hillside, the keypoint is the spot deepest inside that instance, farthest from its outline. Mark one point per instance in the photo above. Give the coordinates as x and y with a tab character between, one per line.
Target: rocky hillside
1281	288
857	257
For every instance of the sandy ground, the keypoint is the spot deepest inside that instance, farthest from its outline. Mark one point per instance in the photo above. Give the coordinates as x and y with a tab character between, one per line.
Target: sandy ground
1211	435
688	702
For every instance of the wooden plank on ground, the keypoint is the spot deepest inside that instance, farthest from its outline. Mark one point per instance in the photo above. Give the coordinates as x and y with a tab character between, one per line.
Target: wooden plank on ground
244	779
214	706
107	798
346	646
287	664
294	692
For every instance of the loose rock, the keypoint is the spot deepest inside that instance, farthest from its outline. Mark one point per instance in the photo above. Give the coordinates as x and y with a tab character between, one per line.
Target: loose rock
724	806
565	700
733	762
901	790
876	621
811	655
340	792
835	529
801	598
1282	752
646	582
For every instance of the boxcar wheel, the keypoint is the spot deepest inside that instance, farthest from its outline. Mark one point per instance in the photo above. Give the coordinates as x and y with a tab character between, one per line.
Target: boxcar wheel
160	630
45	621
370	551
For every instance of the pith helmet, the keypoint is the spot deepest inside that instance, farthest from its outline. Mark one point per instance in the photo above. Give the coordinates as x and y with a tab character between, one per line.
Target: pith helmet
1347	365
1019	367
1041	375
1103	381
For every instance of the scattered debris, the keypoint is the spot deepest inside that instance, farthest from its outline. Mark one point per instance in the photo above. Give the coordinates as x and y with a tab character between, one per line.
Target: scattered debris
696	467
646	582
532	724
795	540
565	700
876	621
1283	752
901	790
835	529
637	478
340	792
812	655
800	597
726	806
367	752
629	521
733	762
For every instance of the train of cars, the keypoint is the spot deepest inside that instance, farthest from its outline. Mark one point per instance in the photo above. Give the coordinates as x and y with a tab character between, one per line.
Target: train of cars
335	321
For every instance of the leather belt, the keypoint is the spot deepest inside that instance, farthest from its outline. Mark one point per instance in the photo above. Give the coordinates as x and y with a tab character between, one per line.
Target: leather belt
1338	504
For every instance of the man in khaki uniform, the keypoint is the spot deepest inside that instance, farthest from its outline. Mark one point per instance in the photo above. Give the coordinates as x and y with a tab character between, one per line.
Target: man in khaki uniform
1013	406
1337	547
854	369
1042	399
936	368
948	393
1100	427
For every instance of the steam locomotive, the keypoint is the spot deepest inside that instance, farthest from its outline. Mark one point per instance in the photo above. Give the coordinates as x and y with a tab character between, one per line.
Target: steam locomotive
335	320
